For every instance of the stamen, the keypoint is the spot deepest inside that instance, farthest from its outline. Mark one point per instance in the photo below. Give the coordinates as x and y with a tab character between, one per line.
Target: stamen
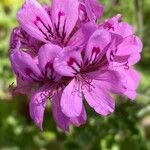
87	83
41	101
77	89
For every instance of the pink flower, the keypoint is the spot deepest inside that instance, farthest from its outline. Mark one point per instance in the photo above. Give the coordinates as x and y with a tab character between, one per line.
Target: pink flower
36	78
43	24
58	23
92	77
60	53
124	52
32	61
104	66
55	27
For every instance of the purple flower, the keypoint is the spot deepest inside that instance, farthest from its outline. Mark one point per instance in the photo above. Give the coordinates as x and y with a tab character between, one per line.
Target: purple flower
124	52
53	28
92	78
32	61
104	66
36	78
58	24
60	53
55	24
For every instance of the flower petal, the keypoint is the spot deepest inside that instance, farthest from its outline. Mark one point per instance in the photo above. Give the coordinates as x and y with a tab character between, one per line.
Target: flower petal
131	82
64	15
127	53
71	100
37	106
110	80
130	45
60	118
115	25
35	21
94	9
46	55
23	85
99	99
96	45
79	120
68	62
83	34
27	42
24	65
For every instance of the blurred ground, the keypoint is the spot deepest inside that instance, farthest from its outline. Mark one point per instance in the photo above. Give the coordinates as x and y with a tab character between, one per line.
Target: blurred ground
127	129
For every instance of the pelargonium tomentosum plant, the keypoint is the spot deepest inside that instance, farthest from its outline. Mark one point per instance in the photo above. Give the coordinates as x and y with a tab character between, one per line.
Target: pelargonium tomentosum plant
62	54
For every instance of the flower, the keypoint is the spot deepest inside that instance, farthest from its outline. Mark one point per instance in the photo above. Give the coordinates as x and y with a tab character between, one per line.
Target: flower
37	76
63	55
32	58
41	24
104	66
54	28
58	24
124	52
92	78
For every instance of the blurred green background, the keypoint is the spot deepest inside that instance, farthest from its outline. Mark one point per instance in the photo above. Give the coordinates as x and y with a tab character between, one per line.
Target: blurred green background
126	129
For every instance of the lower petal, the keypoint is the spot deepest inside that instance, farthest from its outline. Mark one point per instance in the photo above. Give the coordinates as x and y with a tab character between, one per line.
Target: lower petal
131	82
37	106
71	100
79	120
61	119
99	100
109	80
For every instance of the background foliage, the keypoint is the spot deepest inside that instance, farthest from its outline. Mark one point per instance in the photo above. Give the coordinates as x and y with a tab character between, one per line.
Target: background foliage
127	129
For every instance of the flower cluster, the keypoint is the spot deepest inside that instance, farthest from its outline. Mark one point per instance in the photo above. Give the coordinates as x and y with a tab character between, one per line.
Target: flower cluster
60	53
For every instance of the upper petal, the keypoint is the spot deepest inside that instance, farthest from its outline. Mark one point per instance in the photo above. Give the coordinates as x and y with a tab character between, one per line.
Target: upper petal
64	15
97	45
130	45
81	37
94	9
126	53
24	65
71	100
115	25
68	62
14	38
27	42
46	56
35	20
